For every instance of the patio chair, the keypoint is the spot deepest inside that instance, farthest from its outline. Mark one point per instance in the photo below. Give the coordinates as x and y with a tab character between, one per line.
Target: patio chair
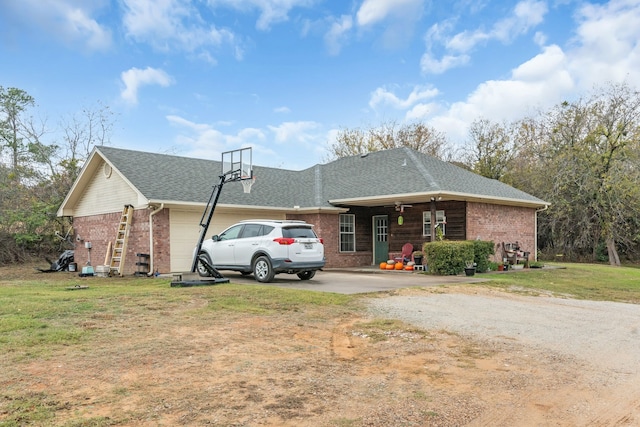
405	256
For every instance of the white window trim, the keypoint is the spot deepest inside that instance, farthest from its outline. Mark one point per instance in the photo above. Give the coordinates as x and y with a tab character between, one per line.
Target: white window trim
441	220
341	233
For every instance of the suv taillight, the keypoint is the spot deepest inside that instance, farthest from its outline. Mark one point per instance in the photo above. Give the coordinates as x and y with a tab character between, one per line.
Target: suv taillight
284	241
321	240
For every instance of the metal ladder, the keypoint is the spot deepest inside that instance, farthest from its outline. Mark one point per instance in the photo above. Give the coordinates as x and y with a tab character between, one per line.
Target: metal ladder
120	247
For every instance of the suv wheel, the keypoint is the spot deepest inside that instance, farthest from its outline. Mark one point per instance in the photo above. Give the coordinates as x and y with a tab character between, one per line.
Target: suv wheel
262	269
202	271
306	275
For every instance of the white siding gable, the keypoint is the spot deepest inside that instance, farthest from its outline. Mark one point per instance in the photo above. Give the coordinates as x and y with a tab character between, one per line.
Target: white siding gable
106	192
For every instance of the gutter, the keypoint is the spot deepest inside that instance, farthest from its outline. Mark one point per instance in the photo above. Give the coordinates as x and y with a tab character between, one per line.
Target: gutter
151	215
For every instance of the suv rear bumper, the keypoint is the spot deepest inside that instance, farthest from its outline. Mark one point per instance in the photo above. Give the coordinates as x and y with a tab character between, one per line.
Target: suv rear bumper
281	266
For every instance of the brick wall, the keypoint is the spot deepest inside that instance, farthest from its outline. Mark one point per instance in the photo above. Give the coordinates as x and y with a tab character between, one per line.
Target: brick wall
502	224
102	229
326	226
161	241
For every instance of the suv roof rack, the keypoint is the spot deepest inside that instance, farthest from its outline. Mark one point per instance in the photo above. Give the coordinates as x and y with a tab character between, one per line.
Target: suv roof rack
280	221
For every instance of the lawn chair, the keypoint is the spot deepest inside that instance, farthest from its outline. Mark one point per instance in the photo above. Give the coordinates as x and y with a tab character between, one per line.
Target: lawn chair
405	256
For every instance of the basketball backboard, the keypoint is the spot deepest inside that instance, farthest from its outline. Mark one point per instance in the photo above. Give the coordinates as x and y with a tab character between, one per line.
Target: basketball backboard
237	165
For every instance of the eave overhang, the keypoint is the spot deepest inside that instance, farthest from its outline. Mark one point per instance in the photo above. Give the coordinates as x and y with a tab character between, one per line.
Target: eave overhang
426	197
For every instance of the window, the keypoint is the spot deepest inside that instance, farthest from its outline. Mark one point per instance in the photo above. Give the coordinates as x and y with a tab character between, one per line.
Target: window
347	233
231	233
253	230
441	221
298	232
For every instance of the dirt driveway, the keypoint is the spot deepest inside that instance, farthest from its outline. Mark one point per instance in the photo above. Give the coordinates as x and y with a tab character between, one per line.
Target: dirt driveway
449	361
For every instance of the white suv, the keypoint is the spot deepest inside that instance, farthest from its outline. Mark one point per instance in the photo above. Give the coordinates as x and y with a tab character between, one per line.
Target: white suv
265	248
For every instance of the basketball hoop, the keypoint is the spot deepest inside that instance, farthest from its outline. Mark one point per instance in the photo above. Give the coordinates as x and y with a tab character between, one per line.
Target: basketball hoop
247	182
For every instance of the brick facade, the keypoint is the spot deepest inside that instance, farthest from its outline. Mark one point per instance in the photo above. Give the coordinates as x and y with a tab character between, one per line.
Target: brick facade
485	221
502	224
102	229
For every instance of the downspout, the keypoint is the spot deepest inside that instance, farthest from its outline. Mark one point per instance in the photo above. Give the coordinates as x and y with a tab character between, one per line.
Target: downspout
151	269
535	236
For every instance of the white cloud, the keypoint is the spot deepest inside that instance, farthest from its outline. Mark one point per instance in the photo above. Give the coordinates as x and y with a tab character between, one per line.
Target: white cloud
383	97
525	15
374	11
282	110
605	48
420	112
431	65
294	132
398	16
205	141
271	11
175	24
607	43
70	21
134	78
302	141
335	37
540	82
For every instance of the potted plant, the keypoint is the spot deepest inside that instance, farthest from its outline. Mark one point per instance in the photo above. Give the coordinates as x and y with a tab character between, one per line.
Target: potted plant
470	268
417	257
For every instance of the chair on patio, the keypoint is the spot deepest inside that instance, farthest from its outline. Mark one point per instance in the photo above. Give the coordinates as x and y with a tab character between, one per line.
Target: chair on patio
405	256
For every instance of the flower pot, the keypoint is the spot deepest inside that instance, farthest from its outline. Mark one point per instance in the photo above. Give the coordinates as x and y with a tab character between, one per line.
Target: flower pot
470	271
417	260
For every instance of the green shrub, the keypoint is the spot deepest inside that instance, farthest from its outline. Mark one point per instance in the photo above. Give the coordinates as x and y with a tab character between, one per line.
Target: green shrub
448	257
482	251
451	257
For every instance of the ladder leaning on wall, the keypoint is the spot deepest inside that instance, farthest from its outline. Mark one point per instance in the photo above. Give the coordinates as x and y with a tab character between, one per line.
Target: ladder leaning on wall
120	246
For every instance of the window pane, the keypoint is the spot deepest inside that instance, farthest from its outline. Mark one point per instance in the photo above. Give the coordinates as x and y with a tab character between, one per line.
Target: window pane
347	233
441	220
295	232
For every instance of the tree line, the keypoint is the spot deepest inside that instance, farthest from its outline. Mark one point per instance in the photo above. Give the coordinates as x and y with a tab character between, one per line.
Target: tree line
39	163
582	156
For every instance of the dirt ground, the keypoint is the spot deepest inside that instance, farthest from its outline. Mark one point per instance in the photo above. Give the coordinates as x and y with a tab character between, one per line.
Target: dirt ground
173	365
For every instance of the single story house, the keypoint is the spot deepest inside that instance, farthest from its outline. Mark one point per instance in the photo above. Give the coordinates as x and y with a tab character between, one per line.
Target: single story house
365	207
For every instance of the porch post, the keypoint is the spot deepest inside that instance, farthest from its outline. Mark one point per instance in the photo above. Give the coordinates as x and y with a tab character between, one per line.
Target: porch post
433	219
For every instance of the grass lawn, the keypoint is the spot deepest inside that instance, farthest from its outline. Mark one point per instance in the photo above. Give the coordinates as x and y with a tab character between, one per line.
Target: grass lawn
114	323
581	281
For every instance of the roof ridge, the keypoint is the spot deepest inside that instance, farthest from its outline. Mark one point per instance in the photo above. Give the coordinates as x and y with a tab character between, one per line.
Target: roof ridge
318	185
421	168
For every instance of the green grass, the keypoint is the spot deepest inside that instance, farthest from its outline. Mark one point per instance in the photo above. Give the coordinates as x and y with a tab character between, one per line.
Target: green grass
580	281
40	318
258	299
37	318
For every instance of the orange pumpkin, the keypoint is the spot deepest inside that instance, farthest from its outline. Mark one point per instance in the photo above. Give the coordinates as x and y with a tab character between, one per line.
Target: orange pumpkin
399	266
409	268
383	266
389	266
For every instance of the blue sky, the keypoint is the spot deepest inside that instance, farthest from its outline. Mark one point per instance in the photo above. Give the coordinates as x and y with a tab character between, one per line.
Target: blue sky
198	77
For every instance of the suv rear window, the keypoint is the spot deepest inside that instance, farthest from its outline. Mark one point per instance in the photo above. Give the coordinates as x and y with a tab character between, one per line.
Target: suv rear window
297	232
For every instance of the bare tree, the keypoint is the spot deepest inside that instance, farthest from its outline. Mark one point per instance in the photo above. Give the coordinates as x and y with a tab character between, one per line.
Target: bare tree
489	149
417	136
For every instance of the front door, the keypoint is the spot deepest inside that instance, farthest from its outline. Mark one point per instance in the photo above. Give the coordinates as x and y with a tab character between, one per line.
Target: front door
380	241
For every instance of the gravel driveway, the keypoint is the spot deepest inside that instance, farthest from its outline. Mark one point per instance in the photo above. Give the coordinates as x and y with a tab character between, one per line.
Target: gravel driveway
605	334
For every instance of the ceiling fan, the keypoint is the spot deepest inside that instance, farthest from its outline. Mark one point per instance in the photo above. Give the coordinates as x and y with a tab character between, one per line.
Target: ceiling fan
400	207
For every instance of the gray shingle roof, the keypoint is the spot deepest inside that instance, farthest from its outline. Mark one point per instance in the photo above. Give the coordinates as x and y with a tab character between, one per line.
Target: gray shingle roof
161	177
